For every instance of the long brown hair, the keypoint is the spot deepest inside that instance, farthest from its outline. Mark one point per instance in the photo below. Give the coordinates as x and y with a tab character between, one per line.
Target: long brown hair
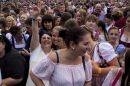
127	70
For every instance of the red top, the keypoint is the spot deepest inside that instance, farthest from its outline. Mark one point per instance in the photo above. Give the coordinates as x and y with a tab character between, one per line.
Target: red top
120	23
121	42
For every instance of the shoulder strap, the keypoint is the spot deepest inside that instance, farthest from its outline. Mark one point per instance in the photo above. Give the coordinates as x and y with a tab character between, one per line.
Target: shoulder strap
117	77
98	50
103	61
24	38
13	41
57	57
83	61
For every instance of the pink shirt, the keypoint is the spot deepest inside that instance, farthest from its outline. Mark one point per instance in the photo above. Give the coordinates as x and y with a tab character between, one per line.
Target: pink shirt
62	74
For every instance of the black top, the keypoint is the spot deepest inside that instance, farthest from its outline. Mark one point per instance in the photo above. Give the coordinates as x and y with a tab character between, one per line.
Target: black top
13	65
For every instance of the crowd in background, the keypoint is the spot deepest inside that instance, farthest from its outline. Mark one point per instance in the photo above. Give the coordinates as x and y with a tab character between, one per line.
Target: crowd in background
64	43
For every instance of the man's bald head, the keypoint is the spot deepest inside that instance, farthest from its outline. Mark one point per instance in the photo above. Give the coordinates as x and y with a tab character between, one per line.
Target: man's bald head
98	8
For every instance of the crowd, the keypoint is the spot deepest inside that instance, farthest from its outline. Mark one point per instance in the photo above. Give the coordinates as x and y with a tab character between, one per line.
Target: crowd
64	43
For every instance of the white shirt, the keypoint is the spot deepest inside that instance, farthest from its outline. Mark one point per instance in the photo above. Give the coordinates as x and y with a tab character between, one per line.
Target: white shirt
107	52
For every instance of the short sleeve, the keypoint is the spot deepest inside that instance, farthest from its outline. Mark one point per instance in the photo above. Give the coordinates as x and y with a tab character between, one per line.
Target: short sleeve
88	71
44	69
8	35
107	51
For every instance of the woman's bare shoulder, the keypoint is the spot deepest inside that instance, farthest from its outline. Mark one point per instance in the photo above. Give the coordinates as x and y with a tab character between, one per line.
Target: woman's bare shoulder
52	56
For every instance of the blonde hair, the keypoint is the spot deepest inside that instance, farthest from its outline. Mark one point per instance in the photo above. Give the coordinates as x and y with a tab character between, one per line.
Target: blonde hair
10	18
58	28
84	13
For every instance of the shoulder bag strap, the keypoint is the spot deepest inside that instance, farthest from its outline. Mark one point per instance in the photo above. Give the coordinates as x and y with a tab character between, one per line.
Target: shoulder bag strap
83	61
57	57
117	77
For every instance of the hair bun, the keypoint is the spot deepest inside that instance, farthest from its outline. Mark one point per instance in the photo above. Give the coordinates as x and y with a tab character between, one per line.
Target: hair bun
62	33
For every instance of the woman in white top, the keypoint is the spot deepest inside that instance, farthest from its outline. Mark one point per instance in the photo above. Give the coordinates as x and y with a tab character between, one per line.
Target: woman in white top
113	35
66	67
104	55
17	38
39	51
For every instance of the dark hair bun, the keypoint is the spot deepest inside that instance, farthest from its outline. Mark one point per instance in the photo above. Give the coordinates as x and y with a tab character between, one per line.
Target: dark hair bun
62	33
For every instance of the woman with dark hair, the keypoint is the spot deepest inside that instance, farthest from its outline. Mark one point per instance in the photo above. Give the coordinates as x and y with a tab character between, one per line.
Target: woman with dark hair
70	23
64	17
56	20
125	33
125	81
104	55
101	32
3	25
38	50
12	64
66	64
47	23
17	38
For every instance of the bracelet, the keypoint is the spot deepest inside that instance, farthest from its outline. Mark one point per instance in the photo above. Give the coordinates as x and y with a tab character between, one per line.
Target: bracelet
95	75
99	70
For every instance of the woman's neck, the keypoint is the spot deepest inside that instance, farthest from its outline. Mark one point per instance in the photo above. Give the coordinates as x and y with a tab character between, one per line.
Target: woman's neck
112	43
46	50
71	55
127	29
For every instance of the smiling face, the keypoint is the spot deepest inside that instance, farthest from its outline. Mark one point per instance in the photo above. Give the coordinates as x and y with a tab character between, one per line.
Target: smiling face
55	37
84	45
46	41
91	24
113	35
23	17
9	23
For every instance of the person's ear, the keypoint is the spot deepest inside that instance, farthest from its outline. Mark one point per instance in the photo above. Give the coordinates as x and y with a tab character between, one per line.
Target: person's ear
72	45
